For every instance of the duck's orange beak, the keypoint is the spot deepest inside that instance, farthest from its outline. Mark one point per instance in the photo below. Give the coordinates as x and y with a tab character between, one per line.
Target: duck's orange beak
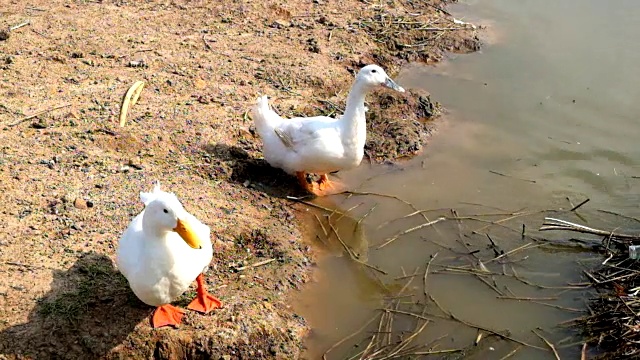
187	234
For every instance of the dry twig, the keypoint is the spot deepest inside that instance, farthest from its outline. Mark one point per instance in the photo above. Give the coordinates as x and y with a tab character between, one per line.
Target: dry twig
558	224
553	348
38	113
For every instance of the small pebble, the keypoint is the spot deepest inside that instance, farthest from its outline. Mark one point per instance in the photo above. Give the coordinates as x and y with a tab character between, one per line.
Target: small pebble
134	63
279	24
80	203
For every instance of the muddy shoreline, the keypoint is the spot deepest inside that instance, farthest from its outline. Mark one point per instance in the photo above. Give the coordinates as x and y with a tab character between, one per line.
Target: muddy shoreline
70	176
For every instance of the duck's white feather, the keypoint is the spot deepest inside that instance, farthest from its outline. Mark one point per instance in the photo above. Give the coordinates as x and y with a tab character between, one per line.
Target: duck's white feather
313	144
319	144
160	268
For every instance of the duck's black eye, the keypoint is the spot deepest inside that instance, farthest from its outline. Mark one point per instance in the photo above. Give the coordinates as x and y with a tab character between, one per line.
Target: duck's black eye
165	211
374	71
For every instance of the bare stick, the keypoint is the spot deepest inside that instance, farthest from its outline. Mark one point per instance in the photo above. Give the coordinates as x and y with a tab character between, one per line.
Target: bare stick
434	352
373	338
524	281
408	282
366	214
206	44
18	264
407	341
324	230
417	212
301	200
494	247
584	352
499	334
352	255
347	211
511	252
389	197
494	288
259	263
513	177
569	200
499	222
377	194
558	224
579	205
16	27
558	306
553	348
466	270
482	205
426	273
417	316
511	353
614	213
335	210
324	356
38	113
407	276
527	298
460	237
395	237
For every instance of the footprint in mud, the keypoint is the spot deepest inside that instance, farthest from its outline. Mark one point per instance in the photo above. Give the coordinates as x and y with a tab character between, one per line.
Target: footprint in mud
89	311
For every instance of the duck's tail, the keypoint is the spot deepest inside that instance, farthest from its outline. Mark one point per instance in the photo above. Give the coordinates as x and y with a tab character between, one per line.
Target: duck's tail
265	118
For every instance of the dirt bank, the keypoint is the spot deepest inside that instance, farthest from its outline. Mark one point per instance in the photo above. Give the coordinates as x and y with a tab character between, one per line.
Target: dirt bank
70	177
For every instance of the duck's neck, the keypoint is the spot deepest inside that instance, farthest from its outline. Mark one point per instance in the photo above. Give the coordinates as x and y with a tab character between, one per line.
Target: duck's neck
354	124
151	229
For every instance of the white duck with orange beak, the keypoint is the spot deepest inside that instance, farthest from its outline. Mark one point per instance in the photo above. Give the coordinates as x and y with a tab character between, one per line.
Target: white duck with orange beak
162	252
320	144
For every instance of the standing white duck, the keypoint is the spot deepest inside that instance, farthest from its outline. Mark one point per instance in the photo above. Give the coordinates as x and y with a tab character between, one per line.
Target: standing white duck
162	251
320	144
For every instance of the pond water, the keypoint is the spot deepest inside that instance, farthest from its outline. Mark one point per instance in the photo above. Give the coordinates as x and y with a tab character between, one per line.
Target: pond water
543	118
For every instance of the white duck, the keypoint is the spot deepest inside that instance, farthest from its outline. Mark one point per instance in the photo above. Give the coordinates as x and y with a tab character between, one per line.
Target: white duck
162	251
320	144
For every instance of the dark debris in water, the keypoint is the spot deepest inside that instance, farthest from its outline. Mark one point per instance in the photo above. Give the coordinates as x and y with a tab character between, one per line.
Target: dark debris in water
611	330
613	326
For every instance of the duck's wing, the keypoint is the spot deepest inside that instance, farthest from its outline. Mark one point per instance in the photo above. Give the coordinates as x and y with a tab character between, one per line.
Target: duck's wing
286	139
300	131
129	247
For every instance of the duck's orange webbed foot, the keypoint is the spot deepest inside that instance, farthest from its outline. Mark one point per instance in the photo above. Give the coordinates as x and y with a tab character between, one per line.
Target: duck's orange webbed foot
166	315
327	187
302	179
204	302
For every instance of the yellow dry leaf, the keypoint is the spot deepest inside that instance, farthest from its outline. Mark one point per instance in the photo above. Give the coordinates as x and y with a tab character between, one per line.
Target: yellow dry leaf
130	99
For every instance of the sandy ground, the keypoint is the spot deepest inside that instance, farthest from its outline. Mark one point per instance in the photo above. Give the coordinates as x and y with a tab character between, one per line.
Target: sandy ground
70	176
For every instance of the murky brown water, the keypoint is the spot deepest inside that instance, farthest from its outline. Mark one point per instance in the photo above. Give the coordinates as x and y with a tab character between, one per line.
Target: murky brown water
554	105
